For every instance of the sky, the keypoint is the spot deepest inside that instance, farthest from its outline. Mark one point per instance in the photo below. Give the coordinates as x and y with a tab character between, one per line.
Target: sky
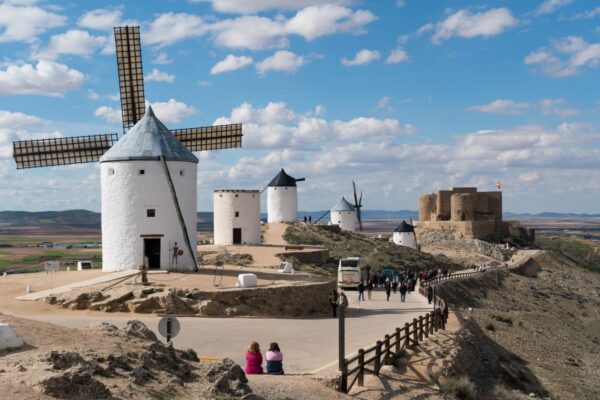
403	96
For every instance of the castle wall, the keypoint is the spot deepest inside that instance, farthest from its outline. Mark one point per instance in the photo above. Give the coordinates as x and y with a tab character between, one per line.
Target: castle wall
427	207
462	207
443	204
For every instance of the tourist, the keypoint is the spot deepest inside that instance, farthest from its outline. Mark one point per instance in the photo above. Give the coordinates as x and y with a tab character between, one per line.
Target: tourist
333	300
429	293
388	289
253	359
305	219
274	360
369	289
403	290
310	219
395	285
343	299
361	291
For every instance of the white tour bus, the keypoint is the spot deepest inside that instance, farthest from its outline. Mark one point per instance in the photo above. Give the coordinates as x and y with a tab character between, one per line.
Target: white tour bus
351	271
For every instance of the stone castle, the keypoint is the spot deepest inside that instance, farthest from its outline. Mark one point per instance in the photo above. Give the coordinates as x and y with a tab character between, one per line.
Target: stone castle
468	213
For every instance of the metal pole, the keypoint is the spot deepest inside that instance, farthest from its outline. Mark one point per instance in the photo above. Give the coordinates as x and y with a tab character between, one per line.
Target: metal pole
341	332
168	329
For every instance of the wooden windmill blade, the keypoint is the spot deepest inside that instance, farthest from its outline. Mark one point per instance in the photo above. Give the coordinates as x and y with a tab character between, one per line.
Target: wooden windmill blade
61	151
210	137
131	77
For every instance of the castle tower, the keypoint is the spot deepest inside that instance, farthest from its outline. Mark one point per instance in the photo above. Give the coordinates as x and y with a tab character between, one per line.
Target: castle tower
282	198
236	217
140	218
344	215
404	235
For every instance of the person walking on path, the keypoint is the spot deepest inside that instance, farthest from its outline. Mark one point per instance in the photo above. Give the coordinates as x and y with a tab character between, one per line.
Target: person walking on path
361	291
395	285
369	289
333	300
388	289
403	290
429	293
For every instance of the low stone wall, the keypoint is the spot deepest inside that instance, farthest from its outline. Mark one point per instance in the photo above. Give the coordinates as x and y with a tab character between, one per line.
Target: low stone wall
306	257
290	300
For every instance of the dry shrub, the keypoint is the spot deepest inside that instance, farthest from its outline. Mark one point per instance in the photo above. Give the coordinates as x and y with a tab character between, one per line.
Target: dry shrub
460	388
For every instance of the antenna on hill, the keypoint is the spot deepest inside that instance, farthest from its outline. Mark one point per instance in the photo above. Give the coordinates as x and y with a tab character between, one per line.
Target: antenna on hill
358	205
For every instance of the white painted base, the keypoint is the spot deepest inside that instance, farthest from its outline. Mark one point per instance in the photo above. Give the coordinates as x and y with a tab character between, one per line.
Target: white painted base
9	338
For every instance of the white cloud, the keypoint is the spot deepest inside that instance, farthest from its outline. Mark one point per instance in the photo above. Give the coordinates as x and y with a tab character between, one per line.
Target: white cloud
162	58
565	57
25	23
467	24
397	56
501	106
109	114
549	6
104	19
15	120
364	56
73	42
172	111
46	78
250	32
169	28
384	102
159	76
555	107
587	14
254	6
230	63
327	19
282	60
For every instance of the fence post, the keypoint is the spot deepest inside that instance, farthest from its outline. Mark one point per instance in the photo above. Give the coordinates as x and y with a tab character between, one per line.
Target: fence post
436	319
361	364
386	358
420	328
407	338
415	332
344	377
442	320
397	352
377	358
427	321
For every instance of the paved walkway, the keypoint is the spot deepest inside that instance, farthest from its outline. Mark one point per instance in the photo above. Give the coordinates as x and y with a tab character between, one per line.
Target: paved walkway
309	345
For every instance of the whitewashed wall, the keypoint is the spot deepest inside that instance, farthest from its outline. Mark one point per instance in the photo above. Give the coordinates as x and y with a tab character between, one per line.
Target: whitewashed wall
282	204
126	195
347	220
225	204
404	239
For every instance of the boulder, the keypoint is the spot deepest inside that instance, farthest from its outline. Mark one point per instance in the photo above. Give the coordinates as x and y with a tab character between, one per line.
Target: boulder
144	305
138	329
9	338
228	378
210	308
74	385
172	304
111	304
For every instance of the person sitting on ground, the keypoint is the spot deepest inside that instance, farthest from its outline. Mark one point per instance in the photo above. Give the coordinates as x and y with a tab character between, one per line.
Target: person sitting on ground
253	359
274	360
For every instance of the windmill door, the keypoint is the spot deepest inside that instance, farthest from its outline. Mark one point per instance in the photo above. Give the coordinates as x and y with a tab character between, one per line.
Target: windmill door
237	235
152	251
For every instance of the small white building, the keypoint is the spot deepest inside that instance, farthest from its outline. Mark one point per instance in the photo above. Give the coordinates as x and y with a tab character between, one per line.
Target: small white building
140	222
344	215
236	217
282	198
404	235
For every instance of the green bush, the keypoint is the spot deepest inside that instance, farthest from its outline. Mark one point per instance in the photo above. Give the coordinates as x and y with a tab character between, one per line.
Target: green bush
502	318
490	327
459	388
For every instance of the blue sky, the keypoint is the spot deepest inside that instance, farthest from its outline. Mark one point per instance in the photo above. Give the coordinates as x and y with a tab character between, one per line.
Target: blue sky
405	97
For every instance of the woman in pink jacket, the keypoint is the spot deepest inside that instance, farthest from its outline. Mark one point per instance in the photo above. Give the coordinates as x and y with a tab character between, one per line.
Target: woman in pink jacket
253	359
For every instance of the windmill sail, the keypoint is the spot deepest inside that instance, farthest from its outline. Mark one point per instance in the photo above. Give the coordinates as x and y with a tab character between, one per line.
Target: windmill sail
61	151
210	137
131	76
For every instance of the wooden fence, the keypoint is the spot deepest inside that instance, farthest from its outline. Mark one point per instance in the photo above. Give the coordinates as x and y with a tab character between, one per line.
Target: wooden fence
383	352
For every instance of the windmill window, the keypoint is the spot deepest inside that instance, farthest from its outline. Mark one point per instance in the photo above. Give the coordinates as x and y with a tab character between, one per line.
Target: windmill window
111	171
237	195
141	172
151	213
237	214
182	172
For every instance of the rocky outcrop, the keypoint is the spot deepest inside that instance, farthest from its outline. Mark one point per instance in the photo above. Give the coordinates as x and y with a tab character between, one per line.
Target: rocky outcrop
228	378
294	300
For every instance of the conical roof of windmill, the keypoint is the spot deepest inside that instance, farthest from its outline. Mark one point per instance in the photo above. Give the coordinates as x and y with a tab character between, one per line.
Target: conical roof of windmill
148	140
343	205
282	180
404	227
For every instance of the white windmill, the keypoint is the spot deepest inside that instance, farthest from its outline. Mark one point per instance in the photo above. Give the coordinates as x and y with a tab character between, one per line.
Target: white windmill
282	198
404	235
346	215
148	178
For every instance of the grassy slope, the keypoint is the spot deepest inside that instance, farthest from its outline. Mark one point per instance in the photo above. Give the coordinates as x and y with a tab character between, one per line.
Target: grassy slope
584	253
378	253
